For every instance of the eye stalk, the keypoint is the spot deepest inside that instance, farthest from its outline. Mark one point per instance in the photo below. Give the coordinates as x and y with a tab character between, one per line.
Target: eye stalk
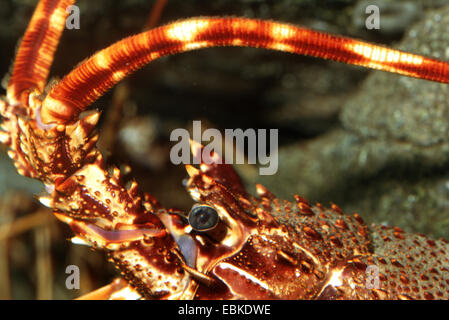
203	218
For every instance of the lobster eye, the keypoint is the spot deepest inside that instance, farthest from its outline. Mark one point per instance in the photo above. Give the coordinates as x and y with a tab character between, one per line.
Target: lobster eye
203	218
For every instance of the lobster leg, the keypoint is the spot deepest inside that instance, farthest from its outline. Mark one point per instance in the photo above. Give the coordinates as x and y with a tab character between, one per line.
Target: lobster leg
118	289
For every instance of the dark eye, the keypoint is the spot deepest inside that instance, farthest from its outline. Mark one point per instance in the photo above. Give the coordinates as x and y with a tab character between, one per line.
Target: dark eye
203	218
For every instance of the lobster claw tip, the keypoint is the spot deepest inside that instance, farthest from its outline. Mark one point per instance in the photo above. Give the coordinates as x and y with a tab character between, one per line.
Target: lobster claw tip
191	170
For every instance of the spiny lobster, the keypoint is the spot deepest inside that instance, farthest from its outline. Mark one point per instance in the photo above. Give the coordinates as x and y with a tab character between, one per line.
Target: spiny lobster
231	245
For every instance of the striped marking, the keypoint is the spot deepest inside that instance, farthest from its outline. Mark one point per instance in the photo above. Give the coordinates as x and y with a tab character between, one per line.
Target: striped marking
186	30
281	32
102	60
118	75
195	45
242	273
59	16
279	46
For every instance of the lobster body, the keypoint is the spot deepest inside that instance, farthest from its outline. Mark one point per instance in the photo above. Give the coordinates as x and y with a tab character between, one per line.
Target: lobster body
364	262
299	251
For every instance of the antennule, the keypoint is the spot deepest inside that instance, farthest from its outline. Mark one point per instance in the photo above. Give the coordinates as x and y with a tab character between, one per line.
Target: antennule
35	54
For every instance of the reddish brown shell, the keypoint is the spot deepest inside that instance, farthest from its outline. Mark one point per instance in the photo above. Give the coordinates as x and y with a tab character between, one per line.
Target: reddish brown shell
288	250
263	247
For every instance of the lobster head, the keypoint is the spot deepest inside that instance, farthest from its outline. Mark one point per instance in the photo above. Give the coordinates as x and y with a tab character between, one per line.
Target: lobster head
249	253
229	246
234	245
